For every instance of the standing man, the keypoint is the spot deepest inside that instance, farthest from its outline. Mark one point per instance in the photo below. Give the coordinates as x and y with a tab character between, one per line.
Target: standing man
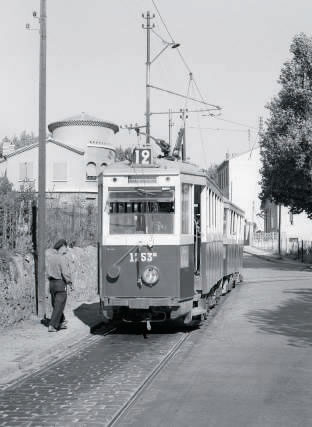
59	277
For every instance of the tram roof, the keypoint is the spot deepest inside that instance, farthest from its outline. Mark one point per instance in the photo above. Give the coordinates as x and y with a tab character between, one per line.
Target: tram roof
160	167
231	205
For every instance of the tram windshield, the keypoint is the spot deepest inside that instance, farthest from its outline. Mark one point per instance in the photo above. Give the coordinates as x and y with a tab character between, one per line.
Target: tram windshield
141	210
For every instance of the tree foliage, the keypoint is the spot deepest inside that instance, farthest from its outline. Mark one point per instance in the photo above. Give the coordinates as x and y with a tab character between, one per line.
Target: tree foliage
286	144
22	140
123	154
212	172
6	187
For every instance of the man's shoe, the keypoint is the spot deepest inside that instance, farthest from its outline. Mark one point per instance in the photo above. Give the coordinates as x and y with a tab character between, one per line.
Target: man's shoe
63	325
51	329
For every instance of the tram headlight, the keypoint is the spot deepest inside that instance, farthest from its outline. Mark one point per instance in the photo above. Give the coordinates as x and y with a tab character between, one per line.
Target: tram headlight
150	275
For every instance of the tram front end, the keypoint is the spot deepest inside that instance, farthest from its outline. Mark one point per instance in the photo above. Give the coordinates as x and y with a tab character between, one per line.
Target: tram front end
145	275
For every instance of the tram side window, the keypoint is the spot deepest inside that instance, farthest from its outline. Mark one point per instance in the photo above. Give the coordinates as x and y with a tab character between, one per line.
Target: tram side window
186	216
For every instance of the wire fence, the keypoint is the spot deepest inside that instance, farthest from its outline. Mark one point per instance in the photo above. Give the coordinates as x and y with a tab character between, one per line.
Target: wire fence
77	224
18	225
295	248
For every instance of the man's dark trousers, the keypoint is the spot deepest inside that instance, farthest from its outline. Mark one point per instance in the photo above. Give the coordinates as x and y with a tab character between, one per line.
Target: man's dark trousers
58	297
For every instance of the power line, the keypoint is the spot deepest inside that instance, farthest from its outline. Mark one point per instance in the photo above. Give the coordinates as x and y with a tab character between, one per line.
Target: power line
220	129
179	52
183	96
230	121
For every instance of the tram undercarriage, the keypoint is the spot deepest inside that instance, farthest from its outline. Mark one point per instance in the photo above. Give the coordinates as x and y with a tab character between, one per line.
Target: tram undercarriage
140	310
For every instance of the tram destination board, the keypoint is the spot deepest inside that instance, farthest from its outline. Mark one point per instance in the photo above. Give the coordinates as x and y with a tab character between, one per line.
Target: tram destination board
142	156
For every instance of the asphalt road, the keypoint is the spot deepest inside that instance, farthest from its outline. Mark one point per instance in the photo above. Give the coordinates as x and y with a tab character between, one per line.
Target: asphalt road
249	365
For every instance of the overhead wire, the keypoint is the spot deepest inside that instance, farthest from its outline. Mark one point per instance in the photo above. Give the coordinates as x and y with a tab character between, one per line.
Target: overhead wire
179	51
222	129
201	137
231	121
195	83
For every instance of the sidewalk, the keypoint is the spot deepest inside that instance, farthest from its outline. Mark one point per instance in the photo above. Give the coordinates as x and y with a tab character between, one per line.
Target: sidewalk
28	346
269	256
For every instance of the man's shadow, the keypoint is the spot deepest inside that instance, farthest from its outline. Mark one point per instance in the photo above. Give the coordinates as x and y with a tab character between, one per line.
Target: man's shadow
91	315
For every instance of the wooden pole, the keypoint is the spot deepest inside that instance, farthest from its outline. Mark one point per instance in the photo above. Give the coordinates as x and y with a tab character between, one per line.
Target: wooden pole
42	162
279	228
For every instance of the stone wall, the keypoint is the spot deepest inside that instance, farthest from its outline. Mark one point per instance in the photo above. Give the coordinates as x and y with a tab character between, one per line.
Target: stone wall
17	289
17	284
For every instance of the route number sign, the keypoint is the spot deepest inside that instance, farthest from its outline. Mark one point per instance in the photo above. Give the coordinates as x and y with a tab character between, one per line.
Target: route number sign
142	156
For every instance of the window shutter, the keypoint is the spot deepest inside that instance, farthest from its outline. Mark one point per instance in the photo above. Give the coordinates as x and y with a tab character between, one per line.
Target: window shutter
59	171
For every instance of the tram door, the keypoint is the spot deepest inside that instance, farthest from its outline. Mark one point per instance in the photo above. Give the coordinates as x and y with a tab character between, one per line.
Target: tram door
197	228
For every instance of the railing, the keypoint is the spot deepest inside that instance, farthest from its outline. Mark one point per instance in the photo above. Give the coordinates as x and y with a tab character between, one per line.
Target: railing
292	247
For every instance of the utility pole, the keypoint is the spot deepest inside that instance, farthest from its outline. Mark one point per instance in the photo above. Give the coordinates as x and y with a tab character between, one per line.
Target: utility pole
148	28
42	161
184	116
170	126
260	125
279	228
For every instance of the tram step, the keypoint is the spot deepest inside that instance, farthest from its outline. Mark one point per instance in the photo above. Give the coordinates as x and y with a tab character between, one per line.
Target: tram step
198	311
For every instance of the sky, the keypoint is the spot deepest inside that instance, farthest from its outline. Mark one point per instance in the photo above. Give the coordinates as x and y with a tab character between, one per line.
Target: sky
96	53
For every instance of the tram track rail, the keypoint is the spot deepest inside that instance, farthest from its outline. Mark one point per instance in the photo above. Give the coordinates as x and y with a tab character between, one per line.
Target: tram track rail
147	381
79	345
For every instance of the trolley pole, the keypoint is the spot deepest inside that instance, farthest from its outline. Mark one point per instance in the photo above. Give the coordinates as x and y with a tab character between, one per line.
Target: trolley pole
42	162
184	116
184	138
170	127
148	28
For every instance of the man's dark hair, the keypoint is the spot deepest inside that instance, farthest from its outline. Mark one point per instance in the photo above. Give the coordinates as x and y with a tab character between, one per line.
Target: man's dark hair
60	243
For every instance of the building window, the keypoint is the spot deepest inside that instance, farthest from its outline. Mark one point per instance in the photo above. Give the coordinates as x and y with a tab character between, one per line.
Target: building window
103	166
59	171
26	172
91	171
291	218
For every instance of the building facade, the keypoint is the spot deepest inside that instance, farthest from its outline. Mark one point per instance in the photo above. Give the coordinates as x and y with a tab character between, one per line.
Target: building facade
239	179
77	151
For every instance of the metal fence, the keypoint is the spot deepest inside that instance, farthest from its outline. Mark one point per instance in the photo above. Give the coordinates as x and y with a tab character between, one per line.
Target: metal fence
266	241
293	247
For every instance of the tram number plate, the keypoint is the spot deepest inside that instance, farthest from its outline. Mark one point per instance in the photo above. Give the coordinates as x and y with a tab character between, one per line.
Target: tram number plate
138	303
142	256
142	156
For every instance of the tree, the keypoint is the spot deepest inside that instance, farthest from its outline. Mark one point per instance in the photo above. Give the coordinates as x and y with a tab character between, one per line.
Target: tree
6	187
286	144
212	172
24	139
123	154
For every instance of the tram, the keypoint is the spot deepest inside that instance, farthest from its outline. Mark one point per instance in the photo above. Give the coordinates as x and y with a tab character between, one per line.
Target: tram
169	242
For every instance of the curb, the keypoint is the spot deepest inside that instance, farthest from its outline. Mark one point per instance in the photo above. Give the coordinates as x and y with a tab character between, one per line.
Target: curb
279	260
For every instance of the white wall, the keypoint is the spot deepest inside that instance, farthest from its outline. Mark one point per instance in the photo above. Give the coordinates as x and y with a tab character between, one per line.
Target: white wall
80	136
244	188
301	227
